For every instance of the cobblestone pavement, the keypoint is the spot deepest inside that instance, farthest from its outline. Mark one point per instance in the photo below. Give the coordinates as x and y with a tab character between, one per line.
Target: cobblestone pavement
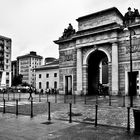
112	121
106	115
115	114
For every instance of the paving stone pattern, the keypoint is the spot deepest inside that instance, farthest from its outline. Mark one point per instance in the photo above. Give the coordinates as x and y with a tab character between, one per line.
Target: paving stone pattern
114	115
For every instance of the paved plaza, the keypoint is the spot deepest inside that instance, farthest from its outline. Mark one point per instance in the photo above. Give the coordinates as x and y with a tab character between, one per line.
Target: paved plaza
111	119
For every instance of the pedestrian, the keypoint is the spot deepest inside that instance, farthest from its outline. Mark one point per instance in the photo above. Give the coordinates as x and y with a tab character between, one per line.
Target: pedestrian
30	93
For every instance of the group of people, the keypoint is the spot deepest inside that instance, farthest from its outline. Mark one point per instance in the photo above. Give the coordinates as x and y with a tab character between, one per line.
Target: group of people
47	91
51	91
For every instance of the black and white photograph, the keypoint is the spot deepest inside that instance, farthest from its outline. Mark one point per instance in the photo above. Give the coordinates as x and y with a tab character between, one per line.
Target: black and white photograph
69	70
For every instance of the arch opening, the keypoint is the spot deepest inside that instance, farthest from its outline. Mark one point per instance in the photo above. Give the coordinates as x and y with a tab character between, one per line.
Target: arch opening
97	73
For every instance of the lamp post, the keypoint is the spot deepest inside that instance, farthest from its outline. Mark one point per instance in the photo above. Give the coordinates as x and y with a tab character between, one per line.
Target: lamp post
131	32
128	20
131	69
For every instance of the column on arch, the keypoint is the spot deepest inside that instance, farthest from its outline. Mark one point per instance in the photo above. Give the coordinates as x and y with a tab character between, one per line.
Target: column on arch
115	83
79	71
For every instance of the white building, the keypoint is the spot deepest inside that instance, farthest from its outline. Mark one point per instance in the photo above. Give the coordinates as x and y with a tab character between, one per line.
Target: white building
5	62
26	65
47	76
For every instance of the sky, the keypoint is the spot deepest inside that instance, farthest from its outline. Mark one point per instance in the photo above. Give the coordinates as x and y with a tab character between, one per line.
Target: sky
33	25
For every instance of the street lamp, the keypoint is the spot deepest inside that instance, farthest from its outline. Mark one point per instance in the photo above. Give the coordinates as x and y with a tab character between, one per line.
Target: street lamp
131	32
128	20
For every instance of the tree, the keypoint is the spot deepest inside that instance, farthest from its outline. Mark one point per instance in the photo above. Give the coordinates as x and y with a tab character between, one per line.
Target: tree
17	80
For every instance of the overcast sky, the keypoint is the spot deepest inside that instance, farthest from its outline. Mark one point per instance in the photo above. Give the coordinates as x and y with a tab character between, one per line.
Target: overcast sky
33	25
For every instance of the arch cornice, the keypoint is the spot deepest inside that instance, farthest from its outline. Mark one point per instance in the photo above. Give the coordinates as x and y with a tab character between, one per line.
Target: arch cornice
85	58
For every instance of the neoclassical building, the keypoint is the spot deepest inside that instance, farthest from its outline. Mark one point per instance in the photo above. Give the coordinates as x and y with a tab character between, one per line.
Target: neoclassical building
98	53
47	76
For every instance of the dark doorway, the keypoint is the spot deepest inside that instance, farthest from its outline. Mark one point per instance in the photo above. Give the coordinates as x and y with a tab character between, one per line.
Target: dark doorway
68	85
133	91
94	60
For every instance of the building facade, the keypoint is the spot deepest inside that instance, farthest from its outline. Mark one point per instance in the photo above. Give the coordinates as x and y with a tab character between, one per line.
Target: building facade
47	76
98	53
14	69
5	62
26	64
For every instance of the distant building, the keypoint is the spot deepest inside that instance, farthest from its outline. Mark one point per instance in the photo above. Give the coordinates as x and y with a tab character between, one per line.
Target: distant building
14	69
49	59
5	61
26	64
47	76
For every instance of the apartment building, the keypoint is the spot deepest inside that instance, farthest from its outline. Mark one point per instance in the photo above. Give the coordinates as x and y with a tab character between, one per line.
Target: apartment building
26	64
5	62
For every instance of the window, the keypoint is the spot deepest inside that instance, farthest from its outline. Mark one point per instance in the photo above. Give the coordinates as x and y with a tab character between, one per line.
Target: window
55	74
7	73
55	85
7	61
47	85
39	75
39	85
47	75
7	81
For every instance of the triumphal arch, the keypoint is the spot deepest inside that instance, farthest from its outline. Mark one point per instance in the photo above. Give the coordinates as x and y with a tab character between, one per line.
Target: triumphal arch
98	55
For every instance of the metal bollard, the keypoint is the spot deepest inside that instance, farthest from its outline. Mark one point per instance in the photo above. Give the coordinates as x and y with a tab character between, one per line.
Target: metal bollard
128	119
31	108
96	111
16	106
124	101
3	105
49	114
70	113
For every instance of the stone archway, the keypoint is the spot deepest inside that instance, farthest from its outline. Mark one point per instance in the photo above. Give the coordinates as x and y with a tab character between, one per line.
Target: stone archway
97	62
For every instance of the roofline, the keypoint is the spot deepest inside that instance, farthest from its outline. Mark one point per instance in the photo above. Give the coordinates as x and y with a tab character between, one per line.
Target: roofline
47	67
29	55
116	26
3	37
99	12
